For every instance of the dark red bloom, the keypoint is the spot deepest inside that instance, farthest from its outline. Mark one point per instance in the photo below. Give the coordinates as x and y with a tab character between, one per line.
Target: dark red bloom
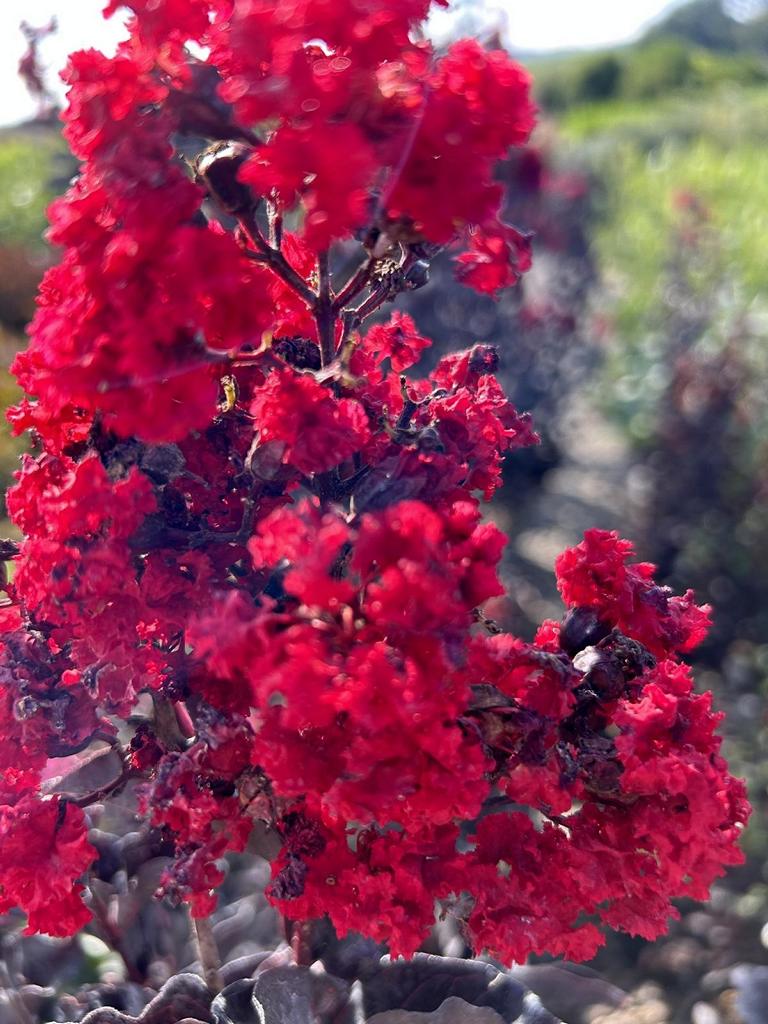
316	430
399	340
242	511
45	850
598	574
495	259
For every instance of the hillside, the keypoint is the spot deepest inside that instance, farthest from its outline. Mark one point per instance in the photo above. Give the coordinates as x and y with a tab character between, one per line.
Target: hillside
696	46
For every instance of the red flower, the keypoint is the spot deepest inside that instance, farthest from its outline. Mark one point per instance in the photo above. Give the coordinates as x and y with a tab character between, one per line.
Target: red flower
317	430
45	849
303	164
476	106
598	574
104	92
398	339
495	259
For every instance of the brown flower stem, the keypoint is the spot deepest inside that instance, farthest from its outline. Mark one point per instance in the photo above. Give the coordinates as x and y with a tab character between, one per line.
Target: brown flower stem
371	304
490	626
109	788
301	943
98	795
325	315
275	227
208	953
183	717
274	259
346	345
354	285
113	936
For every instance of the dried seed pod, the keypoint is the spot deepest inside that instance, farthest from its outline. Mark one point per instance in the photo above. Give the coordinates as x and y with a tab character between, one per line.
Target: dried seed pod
217	170
302	353
581	628
162	462
416	276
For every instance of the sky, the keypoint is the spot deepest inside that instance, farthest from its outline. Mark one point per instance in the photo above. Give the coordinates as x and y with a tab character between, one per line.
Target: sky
526	24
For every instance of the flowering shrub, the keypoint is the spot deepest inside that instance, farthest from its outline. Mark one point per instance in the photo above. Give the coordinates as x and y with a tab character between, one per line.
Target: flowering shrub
241	506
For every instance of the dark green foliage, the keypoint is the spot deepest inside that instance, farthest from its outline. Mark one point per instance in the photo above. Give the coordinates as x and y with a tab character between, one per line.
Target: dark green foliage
601	78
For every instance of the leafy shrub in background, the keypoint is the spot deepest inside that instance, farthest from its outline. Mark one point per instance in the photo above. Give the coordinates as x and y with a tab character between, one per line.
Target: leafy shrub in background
32	164
645	71
27	165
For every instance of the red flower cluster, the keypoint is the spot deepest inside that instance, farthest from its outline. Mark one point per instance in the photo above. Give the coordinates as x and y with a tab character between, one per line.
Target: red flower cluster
242	509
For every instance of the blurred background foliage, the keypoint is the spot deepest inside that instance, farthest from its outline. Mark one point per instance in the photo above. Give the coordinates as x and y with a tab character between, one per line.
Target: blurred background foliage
639	342
34	167
672	133
650	206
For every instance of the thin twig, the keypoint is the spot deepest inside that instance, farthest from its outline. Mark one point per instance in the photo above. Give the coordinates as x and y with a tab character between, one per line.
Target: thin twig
275	227
324	312
377	298
109	788
97	795
384	291
355	284
346	344
301	943
274	259
113	936
208	953
489	625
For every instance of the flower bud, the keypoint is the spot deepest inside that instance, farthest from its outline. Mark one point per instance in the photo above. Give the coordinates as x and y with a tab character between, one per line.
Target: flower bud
581	628
602	673
484	359
302	353
612	664
416	276
429	440
217	169
289	882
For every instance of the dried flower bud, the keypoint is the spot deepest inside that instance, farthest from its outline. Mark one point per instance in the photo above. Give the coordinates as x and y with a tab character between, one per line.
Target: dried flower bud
602	673
299	352
429	440
162	462
611	665
484	359
581	628
289	883
416	276
218	168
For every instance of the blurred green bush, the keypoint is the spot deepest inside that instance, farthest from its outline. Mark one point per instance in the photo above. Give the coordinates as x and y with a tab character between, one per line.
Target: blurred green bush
34	166
652	69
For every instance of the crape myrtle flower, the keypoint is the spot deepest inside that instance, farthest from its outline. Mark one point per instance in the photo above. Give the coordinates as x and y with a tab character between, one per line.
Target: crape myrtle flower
243	506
